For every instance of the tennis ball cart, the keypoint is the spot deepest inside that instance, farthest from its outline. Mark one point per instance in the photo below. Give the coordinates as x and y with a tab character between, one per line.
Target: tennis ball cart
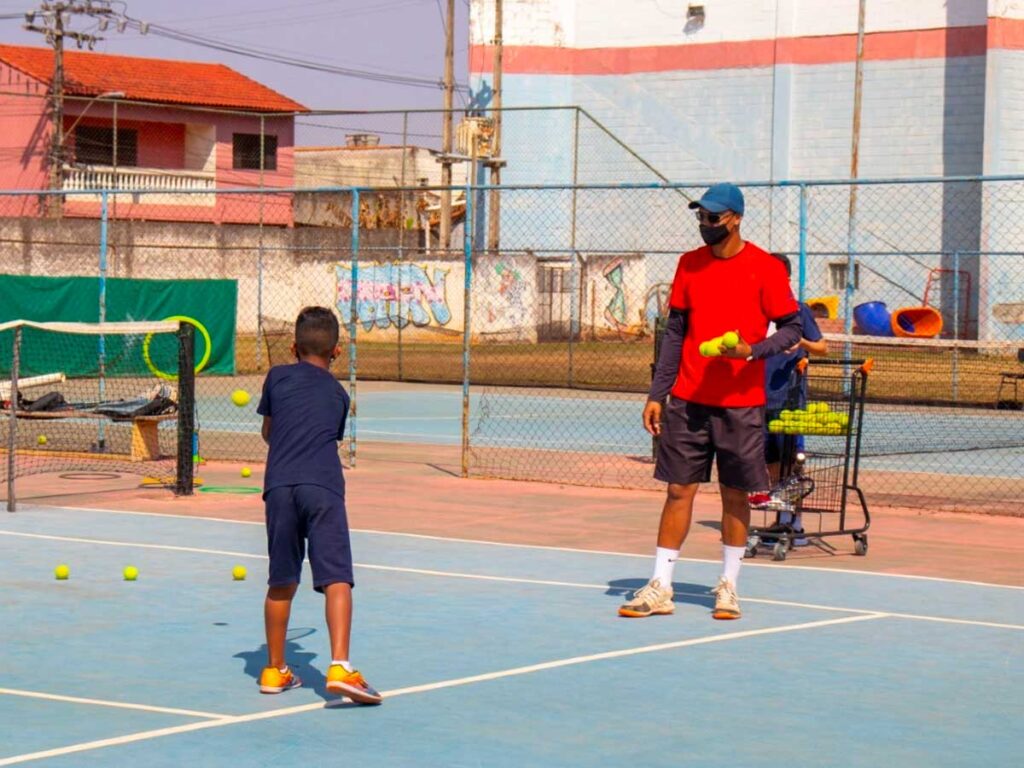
816	495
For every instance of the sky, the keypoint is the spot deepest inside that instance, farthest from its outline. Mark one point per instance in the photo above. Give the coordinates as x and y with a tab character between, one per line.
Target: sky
395	37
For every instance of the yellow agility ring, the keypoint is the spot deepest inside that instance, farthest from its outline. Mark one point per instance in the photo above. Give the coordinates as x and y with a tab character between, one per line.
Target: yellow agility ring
181	319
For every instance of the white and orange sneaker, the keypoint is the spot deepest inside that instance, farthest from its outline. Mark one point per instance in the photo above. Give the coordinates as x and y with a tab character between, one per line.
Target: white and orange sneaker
727	604
351	684
274	680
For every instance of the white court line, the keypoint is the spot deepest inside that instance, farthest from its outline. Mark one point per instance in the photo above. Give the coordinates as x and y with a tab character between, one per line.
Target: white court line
746	563
548	548
513	672
115	704
511	579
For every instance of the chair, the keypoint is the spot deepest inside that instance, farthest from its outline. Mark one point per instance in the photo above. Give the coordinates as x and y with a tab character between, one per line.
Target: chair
1014	379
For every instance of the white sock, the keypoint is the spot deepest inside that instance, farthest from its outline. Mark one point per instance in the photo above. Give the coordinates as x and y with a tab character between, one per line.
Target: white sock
283	670
664	564
732	559
345	664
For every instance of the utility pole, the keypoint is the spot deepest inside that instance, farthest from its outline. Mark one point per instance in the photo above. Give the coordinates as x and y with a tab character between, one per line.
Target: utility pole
55	17
446	132
495	163
851	231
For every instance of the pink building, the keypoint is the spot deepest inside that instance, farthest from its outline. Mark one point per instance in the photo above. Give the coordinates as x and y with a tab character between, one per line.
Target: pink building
184	129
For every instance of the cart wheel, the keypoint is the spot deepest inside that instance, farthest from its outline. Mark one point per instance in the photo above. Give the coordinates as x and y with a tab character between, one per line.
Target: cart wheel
750	552
860	545
779	551
753	542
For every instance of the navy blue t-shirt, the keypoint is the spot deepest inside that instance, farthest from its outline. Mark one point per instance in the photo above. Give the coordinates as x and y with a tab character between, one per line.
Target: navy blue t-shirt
779	369
307	408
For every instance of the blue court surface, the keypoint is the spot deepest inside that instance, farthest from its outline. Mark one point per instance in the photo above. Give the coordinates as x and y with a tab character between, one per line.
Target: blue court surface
489	655
910	440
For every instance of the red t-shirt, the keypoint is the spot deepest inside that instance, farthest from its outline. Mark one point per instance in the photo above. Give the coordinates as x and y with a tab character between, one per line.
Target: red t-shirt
743	293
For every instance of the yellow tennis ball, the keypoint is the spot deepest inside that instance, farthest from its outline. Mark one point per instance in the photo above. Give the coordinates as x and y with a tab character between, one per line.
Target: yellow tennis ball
776	425
238	573
240	398
41	439
730	339
246	472
131	573
61	572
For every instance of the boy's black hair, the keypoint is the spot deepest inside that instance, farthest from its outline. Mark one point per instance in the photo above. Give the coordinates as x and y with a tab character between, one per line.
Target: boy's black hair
785	260
316	332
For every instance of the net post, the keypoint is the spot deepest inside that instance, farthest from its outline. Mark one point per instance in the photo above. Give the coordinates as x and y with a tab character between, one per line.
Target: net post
186	408
12	432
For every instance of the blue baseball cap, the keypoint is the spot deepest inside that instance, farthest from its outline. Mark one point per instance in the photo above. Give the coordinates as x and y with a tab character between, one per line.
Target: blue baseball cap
720	198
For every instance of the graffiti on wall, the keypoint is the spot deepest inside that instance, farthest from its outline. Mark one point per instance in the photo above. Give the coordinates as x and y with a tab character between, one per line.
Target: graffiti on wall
615	312
395	294
506	303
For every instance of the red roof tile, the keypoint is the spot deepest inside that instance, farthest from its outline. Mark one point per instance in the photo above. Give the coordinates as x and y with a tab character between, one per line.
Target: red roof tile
159	80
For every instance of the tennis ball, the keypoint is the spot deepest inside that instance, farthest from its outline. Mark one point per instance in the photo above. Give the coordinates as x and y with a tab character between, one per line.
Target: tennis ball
61	572
776	425
238	573
246	472
41	439
730	340
240	398
131	573
704	351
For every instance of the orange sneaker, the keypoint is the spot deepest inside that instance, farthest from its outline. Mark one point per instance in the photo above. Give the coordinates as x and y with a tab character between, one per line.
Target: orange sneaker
273	680
351	684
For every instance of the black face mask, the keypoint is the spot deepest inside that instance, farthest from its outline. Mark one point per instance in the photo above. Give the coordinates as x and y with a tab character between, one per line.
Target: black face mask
714	235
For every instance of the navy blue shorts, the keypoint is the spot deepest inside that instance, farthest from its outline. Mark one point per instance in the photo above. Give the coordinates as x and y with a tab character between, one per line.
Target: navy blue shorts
296	513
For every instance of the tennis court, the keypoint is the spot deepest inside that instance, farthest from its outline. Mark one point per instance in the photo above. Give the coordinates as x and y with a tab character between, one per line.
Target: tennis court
489	654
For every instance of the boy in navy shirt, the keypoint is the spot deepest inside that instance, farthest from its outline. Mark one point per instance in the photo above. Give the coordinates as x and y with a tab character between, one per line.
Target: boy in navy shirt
304	411
779	377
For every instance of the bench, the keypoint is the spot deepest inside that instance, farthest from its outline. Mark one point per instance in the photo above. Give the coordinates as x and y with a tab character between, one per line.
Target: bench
145	440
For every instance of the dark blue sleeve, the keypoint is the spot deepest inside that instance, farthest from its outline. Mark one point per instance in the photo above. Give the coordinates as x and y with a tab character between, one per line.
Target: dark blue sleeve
669	356
344	413
811	331
263	409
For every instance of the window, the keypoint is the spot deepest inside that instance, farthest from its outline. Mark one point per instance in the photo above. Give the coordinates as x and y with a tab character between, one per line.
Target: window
245	152
94	145
837	276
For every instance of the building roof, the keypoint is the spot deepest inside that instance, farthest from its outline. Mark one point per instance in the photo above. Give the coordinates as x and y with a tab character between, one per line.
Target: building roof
167	81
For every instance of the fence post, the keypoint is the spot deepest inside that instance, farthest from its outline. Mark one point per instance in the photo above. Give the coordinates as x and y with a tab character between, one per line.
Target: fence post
574	300
803	242
353	317
467	255
185	478
259	256
400	315
101	437
12	429
956	325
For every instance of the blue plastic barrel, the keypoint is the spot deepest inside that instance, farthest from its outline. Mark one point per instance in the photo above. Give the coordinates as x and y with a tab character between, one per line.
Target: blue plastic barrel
873	318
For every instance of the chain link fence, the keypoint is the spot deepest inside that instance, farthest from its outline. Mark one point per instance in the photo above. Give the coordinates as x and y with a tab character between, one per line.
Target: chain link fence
556	329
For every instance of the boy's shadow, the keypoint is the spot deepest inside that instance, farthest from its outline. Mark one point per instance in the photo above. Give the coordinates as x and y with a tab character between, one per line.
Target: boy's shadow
300	661
694	594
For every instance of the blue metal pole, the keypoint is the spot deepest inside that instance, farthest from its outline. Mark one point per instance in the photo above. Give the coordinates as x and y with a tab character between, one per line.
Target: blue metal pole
353	317
467	255
803	242
102	313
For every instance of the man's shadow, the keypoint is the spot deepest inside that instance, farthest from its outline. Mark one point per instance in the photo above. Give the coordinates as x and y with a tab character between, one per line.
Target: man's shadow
693	594
300	661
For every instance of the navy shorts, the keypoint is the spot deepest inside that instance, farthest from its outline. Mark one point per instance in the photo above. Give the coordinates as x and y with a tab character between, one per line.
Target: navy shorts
692	435
297	513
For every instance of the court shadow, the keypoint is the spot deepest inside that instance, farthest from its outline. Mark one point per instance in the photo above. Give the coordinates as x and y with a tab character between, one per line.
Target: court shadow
694	594
301	662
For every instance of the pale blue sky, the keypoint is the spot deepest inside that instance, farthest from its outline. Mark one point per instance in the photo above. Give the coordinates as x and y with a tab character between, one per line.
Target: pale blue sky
403	37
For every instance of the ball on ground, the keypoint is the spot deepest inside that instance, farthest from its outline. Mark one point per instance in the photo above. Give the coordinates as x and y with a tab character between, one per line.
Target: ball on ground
61	572
246	472
238	573
41	439
240	397
730	339
131	573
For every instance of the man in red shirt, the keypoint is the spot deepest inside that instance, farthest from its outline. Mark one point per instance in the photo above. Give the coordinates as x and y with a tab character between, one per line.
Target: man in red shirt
717	402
